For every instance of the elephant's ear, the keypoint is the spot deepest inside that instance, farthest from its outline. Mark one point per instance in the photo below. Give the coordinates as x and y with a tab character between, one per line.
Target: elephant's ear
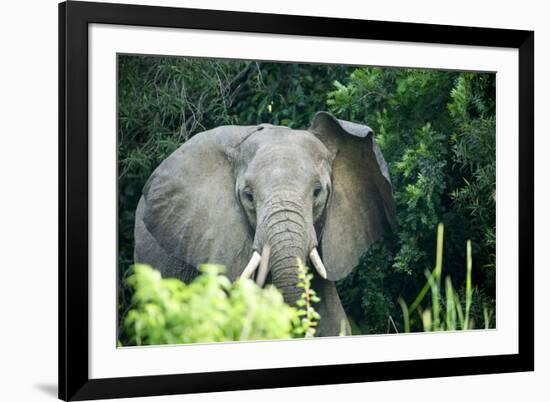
361	206
190	203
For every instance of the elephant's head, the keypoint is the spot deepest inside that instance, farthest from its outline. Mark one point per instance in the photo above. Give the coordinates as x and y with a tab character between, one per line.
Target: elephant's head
263	195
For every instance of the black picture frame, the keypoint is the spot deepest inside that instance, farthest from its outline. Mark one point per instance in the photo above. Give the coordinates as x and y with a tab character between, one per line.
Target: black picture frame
74	18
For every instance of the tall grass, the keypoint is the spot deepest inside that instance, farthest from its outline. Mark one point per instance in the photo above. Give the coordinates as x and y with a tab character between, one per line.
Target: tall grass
445	311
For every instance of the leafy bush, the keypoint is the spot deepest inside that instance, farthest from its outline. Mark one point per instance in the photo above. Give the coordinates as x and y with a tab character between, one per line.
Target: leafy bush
212	309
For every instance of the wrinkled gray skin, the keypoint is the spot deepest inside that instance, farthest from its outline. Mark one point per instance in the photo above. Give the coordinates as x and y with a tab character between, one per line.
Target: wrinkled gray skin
229	191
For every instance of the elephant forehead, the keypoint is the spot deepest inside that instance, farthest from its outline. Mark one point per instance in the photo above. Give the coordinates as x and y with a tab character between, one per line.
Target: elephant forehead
288	157
282	159
274	166
282	140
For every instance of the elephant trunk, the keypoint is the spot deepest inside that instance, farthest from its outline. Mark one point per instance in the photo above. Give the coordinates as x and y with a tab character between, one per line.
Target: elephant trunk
286	232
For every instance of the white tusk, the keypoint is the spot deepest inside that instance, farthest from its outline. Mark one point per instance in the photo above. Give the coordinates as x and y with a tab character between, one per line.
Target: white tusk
252	265
262	272
317	263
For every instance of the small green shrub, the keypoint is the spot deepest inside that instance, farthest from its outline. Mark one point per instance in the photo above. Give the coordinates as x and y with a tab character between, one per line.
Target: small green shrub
309	317
212	309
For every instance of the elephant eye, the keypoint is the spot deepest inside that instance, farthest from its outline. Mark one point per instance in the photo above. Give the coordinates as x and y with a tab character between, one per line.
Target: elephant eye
248	194
317	190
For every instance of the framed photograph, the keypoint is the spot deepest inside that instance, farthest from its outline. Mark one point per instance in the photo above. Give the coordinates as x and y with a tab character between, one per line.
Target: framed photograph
259	200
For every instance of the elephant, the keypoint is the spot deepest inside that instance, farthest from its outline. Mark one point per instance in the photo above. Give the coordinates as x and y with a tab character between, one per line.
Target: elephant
254	198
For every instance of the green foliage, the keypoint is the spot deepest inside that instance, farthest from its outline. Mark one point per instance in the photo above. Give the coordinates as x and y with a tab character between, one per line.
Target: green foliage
212	309
288	94
436	130
446	311
474	150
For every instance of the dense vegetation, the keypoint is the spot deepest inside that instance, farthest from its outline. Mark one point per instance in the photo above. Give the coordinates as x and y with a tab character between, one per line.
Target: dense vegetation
437	132
212	309
435	128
